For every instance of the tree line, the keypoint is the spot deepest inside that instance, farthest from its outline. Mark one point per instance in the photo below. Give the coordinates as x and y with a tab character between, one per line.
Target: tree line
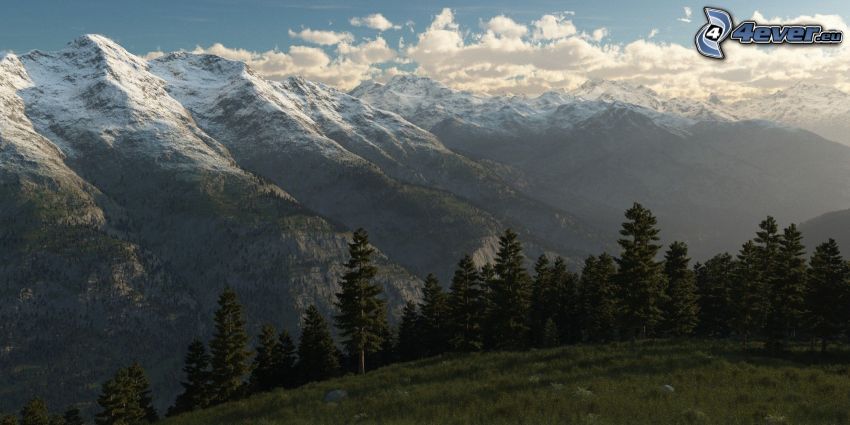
769	291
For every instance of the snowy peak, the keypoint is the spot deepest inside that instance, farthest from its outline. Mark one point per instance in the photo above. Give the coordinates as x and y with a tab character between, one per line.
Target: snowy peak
619	91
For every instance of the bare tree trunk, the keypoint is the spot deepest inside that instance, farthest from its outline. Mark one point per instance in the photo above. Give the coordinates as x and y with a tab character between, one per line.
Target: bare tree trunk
362	368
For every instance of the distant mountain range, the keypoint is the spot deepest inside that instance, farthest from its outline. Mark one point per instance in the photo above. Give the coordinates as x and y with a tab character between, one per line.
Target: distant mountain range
133	191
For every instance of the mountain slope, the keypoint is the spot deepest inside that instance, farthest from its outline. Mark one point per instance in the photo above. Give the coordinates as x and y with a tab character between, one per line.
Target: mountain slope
832	225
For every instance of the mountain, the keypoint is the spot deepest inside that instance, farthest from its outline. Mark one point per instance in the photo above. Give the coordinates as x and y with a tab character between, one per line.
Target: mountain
832	225
133	191
709	178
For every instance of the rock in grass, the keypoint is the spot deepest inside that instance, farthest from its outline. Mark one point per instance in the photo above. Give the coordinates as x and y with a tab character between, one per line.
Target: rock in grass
667	389
335	396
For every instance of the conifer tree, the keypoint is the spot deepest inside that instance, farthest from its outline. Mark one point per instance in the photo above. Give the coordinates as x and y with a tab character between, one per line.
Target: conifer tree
788	289
284	354
122	400
550	337
361	312
827	294
229	350
8	420
465	307
56	420
433	317
35	413
264	369
142	389
195	393
749	302
563	303
599	298
409	340
72	416
510	296
541	291
681	313
639	276
317	356
715	280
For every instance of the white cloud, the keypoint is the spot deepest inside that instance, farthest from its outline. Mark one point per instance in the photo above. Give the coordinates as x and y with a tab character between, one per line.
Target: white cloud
506	27
551	27
652	33
325	38
599	33
375	21
688	13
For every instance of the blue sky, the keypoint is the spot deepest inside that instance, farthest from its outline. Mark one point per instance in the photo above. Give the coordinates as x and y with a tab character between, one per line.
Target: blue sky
495	46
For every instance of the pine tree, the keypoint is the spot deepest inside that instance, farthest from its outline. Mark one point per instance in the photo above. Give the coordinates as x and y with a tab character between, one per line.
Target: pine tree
35	413
72	416
362	312
465	307
550	337
564	304
317	355
141	388
749	302
195	393
510	296
264	370
715	280
639	276
123	401
229	350
788	289
433	317
599	298
409	340
541	289
284	361
681	312
827	294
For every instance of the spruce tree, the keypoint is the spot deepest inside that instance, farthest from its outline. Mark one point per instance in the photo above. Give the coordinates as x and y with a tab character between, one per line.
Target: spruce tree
121	400
196	390
72	416
465	307
788	289
563	303
409	336
317	355
748	293
599	298
142	390
681	312
284	355
35	412
715	281
361	312
827	294
433	317
229	350
541	290
264	370
639	276
510	296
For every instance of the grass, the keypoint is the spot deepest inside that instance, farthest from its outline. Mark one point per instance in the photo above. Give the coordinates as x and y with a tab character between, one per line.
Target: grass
713	383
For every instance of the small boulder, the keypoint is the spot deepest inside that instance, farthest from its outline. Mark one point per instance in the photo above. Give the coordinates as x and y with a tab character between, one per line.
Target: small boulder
335	396
667	388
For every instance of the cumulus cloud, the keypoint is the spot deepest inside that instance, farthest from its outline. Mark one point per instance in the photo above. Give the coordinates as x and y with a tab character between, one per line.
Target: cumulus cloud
506	56
687	17
324	38
375	21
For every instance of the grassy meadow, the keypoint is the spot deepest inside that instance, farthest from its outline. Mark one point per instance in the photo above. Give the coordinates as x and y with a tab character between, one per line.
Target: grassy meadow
713	382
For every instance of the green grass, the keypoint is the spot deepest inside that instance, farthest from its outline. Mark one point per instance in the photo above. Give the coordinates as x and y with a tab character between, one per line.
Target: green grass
714	382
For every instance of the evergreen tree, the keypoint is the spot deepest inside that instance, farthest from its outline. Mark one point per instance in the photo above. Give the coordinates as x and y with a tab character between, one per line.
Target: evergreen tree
195	393
788	289
142	389
564	304
409	340
748	300
362	313
433	317
465	307
599	298
828	291
639	276
264	370
229	350
35	413
540	290
8	420
56	420
681	313
715	280
123	401
550	337
510	296
284	354
72	416
317	355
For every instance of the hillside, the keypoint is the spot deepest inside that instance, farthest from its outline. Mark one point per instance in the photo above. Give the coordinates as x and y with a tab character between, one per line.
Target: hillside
712	382
835	225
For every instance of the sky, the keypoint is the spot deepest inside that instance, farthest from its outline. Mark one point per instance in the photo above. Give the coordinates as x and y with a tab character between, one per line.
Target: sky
497	46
